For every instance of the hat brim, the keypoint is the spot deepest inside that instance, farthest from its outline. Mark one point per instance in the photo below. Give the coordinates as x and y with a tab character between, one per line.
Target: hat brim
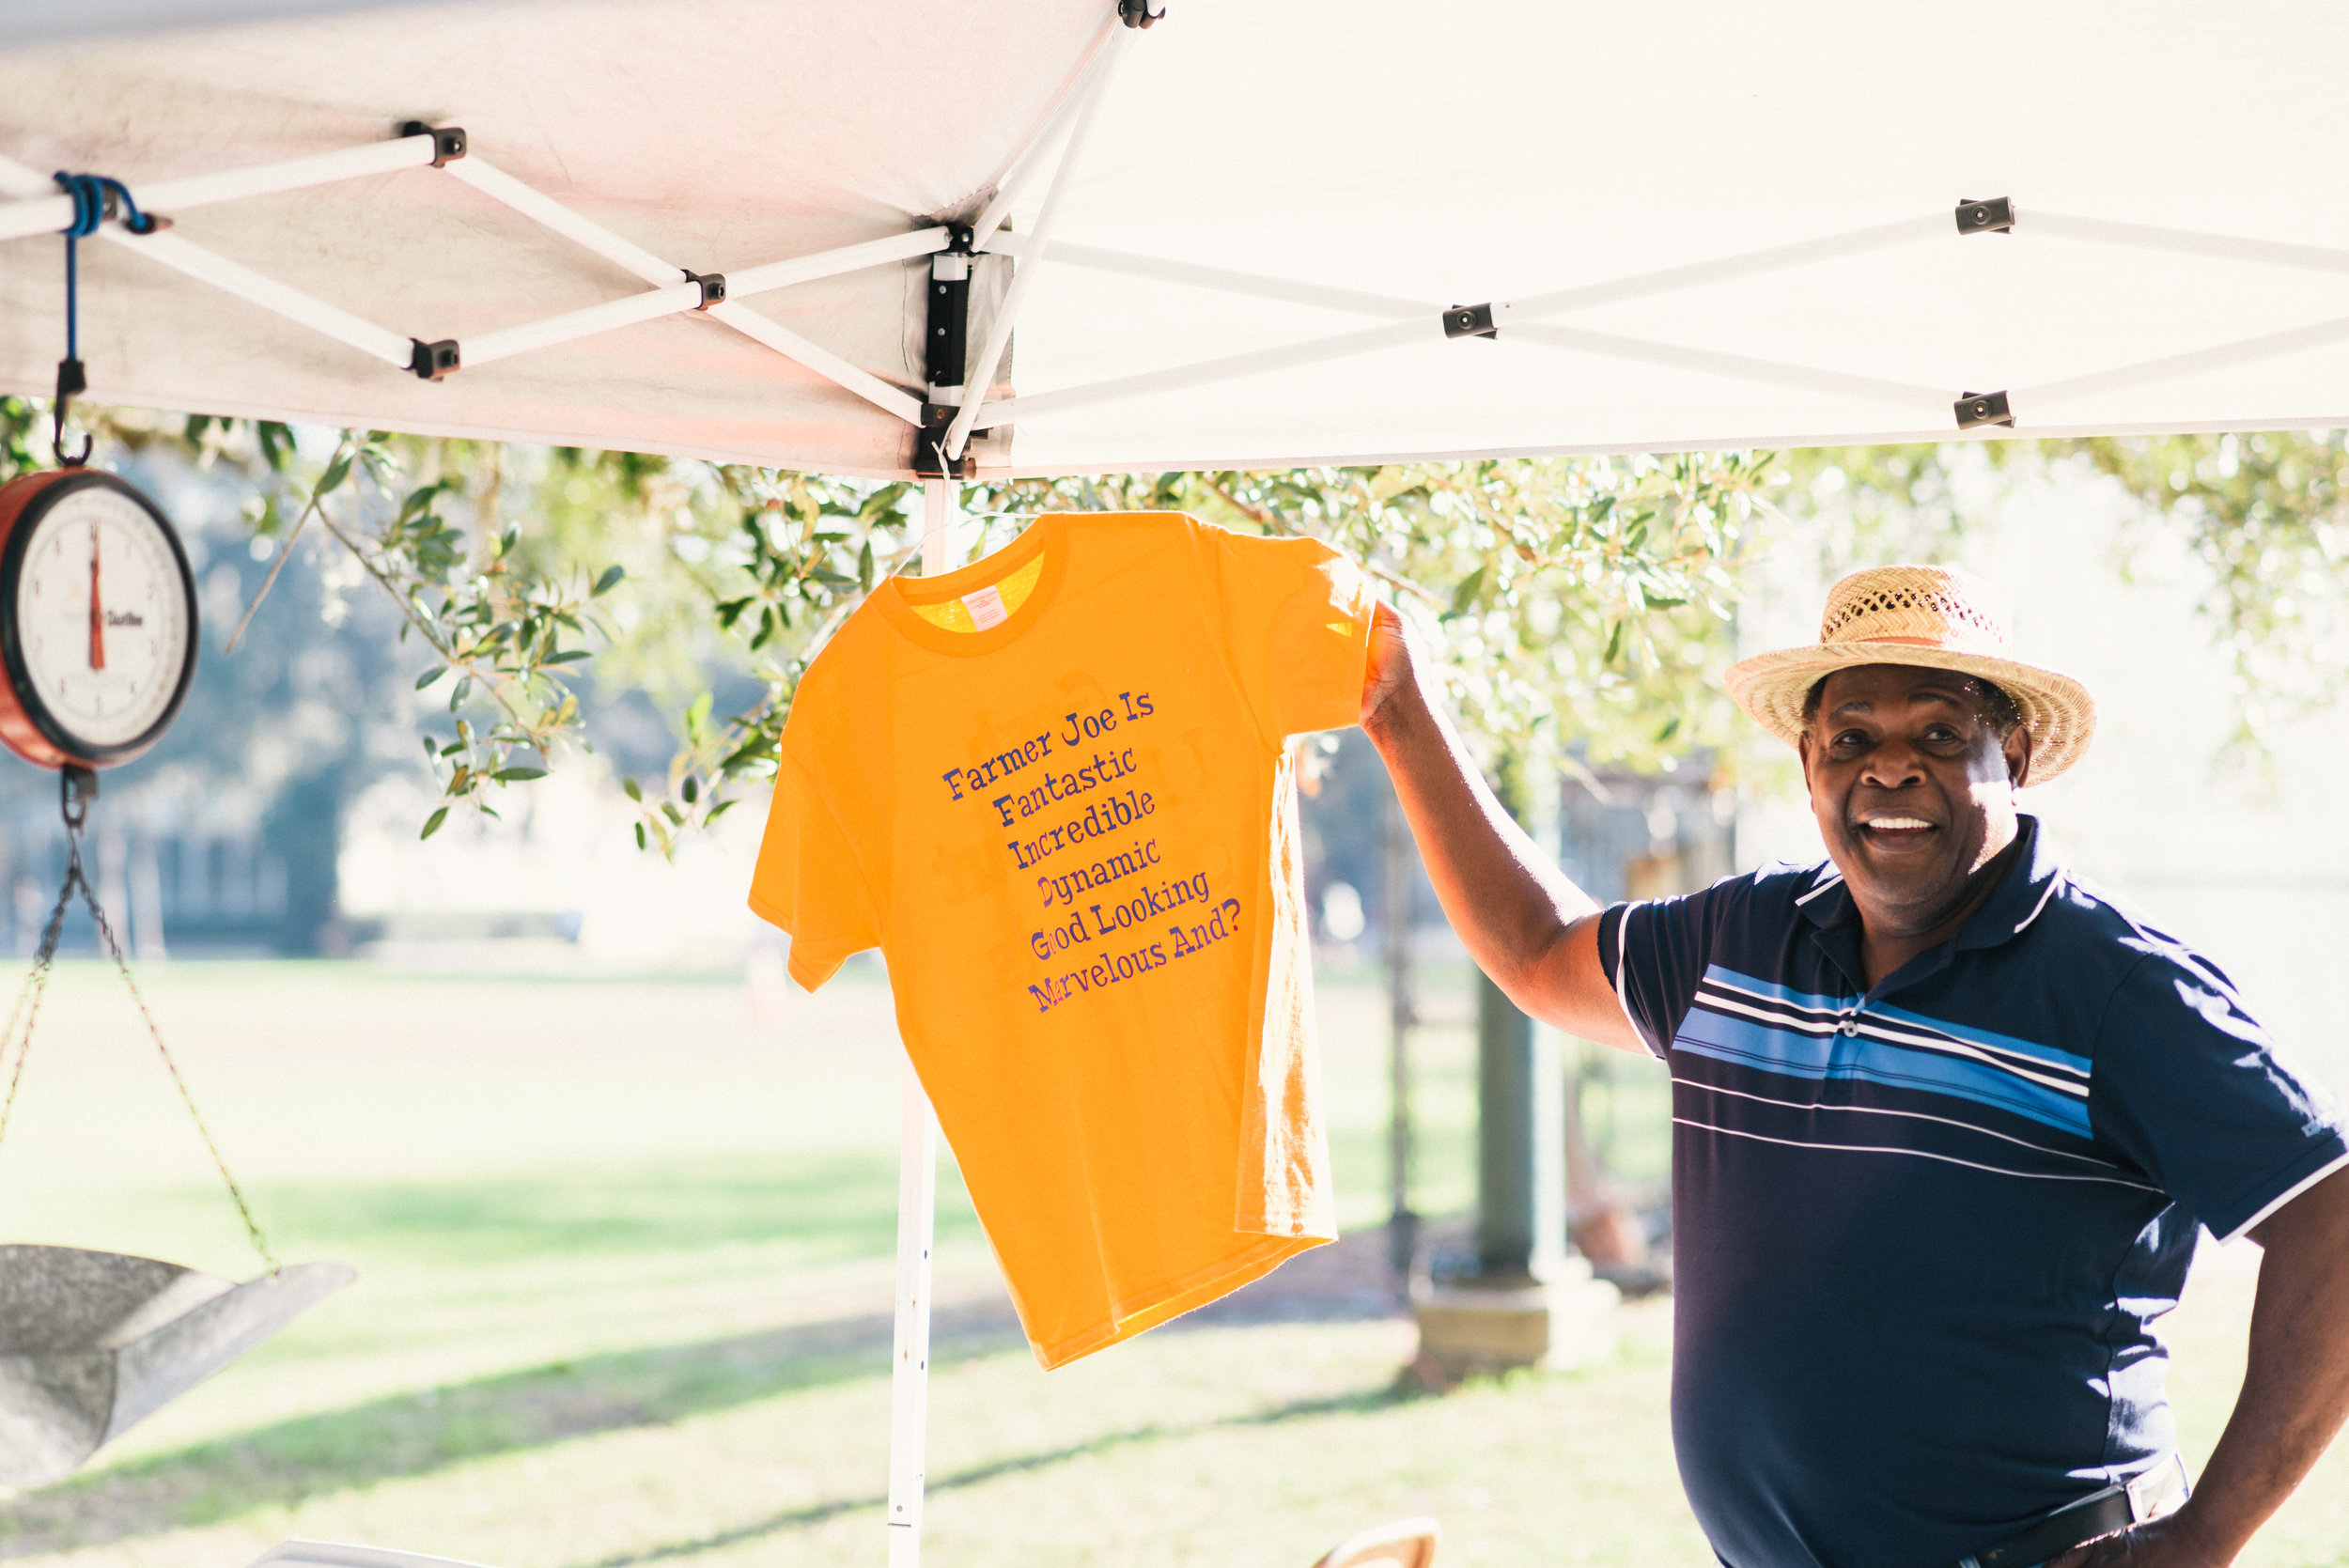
2057	709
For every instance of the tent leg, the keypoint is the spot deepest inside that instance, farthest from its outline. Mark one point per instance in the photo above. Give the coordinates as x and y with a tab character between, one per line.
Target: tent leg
909	1372
917	1203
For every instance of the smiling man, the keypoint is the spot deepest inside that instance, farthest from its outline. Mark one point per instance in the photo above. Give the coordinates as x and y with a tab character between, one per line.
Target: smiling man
1946	1125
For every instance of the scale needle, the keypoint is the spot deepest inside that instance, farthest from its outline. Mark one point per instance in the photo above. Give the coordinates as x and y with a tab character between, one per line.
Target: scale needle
97	609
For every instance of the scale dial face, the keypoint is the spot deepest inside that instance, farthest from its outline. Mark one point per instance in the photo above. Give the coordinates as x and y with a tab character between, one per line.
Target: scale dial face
97	624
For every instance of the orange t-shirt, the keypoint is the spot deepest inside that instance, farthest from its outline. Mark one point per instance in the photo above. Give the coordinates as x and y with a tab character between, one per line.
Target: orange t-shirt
1053	788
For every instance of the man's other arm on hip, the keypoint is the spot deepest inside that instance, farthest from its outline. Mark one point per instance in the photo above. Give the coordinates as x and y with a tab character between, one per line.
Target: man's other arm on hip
2294	1398
1536	933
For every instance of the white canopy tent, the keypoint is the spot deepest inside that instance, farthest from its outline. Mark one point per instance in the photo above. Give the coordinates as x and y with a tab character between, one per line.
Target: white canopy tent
1258	235
1697	225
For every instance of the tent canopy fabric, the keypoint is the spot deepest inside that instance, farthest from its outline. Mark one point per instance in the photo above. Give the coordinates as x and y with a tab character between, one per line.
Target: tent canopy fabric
1234	239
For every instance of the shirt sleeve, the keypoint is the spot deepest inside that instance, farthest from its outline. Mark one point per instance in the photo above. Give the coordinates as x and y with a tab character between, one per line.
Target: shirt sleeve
1297	616
808	881
1654	954
2189	1087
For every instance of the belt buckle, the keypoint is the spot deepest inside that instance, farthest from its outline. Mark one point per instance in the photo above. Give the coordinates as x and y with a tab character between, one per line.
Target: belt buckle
2158	1491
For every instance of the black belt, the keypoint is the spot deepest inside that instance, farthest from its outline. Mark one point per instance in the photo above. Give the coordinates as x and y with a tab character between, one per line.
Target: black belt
2147	1496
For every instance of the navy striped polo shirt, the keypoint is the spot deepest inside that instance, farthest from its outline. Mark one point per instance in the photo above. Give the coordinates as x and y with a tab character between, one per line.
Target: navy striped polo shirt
1920	1231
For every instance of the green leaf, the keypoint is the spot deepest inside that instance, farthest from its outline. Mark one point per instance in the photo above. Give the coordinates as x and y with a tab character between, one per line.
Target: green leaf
865	567
432	823
640	835
606	583
668	809
692	790
1614	643
336	472
720	808
517	775
1465	595
573	657
430	676
627	787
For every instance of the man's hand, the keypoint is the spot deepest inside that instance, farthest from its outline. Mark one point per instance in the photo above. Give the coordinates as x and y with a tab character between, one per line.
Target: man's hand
2164	1542
1391	666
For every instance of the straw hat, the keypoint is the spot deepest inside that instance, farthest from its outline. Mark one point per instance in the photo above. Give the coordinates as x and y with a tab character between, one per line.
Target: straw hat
1940	617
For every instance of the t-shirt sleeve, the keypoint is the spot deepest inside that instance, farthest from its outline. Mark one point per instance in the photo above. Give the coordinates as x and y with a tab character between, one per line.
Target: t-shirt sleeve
2189	1087
1654	954
808	882
1297	616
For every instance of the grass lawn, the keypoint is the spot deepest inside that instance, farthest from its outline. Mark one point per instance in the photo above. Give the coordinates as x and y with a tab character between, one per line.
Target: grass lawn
626	1255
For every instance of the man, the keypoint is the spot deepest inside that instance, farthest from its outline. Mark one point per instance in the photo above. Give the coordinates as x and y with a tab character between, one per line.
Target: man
1944	1124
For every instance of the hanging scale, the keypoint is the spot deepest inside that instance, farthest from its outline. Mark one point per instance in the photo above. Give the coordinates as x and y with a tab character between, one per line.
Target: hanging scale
98	643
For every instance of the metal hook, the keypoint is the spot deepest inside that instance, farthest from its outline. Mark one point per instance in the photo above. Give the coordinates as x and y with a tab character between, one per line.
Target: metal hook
71	380
57	436
77	786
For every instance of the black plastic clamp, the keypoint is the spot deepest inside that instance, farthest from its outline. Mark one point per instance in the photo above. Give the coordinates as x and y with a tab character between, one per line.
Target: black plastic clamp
1978	408
1470	321
1141	13
946	325
930	446
449	141
1994	216
713	287
432	360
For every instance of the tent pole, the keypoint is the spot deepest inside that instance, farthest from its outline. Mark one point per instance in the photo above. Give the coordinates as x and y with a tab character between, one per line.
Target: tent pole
998	333
812	356
49	214
1024	170
917	1201
2223	356
909	1368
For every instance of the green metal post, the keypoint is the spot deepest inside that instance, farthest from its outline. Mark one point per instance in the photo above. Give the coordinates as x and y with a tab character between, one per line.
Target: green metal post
1520	1153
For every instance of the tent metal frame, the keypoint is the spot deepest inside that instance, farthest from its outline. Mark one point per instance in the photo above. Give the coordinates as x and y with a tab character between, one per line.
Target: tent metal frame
1401	322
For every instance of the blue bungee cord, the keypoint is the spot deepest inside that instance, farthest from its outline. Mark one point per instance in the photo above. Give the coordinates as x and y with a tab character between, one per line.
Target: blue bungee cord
95	198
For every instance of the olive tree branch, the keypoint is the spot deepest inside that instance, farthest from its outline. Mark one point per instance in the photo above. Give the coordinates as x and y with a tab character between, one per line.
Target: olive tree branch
337	468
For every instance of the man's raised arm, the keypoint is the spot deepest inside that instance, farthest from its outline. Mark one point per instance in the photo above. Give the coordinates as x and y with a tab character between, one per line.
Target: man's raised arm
1536	933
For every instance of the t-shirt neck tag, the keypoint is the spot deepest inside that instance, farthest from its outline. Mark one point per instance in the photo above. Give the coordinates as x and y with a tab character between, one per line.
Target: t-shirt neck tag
986	607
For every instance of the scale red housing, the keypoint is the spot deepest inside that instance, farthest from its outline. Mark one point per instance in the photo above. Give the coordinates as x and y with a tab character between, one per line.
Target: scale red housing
22	728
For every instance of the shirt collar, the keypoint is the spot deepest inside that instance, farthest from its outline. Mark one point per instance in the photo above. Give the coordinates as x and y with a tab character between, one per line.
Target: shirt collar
2022	894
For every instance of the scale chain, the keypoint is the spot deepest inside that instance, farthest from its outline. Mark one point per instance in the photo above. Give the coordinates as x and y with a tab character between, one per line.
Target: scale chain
36	983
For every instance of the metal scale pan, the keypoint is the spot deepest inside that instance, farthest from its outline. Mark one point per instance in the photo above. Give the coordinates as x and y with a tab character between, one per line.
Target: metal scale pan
93	1342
